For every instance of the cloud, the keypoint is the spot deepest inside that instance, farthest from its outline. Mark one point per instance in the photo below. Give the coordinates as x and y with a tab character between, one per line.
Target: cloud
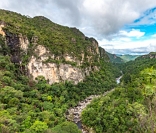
148	17
106	17
133	33
71	10
154	35
123	45
134	51
109	21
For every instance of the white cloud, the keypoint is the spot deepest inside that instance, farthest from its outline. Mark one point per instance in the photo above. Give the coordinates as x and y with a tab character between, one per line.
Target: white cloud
133	33
102	19
106	17
149	17
120	46
154	35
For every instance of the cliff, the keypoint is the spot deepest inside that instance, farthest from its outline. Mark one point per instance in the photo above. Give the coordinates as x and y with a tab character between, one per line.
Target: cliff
43	48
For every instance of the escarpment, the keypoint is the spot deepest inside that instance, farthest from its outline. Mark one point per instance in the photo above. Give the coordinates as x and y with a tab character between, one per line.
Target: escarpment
53	72
46	49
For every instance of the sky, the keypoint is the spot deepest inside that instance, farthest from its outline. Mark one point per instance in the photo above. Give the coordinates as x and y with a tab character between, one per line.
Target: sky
119	26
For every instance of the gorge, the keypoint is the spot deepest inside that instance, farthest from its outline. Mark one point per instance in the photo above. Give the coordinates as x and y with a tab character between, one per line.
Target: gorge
53	76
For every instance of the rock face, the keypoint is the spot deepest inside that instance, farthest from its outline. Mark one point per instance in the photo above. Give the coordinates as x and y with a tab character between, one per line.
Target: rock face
42	62
18	45
54	72
1	30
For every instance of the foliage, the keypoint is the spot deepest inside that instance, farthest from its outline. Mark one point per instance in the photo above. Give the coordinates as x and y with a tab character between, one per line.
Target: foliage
128	57
28	106
114	58
129	108
66	127
59	40
35	107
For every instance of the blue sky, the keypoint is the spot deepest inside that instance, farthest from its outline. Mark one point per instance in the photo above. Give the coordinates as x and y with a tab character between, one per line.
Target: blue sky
138	37
120	26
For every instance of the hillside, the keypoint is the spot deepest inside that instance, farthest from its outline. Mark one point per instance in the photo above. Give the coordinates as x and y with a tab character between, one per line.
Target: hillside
45	69
55	47
114	58
131	106
127	58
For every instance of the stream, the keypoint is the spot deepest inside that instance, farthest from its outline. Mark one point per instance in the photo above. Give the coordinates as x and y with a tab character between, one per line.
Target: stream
74	114
118	79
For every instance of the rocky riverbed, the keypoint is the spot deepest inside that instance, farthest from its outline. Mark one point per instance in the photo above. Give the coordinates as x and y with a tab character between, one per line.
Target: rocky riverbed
74	114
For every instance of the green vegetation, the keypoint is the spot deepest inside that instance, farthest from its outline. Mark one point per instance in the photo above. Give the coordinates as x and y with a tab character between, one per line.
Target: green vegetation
131	106
27	106
114	58
132	69
37	107
59	40
128	57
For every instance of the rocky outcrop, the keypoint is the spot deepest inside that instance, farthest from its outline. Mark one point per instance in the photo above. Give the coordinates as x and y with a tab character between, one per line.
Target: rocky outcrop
54	72
39	65
42	62
150	55
18	45
103	54
1	29
74	114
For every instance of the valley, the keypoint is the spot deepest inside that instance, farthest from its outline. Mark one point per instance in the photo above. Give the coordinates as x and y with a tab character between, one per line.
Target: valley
54	79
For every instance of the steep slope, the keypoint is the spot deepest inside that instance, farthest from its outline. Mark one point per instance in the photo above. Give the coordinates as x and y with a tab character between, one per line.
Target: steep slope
151	55
114	58
35	54
132	69
131	106
43	48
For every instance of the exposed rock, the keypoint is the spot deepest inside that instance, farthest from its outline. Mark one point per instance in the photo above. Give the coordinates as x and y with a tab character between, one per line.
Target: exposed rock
54	72
16	43
103	54
41	51
74	114
70	58
95	45
1	29
23	42
51	71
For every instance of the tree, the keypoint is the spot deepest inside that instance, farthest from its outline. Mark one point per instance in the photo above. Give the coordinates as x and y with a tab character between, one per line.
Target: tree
66	127
38	127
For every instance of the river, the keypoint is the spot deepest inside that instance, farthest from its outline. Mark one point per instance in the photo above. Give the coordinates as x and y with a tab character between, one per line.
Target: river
74	114
119	78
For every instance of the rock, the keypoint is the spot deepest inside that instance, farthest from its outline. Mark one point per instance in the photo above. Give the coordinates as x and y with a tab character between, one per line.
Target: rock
76	111
18	45
54	72
2	24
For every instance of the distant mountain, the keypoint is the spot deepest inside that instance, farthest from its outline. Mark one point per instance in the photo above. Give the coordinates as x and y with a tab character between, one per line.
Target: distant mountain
128	57
151	55
114	58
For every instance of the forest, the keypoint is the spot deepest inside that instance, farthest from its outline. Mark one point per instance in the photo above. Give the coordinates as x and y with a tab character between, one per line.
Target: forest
131	107
35	106
28	106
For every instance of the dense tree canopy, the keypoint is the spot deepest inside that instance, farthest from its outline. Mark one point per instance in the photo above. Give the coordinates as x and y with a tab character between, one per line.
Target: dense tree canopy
130	107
